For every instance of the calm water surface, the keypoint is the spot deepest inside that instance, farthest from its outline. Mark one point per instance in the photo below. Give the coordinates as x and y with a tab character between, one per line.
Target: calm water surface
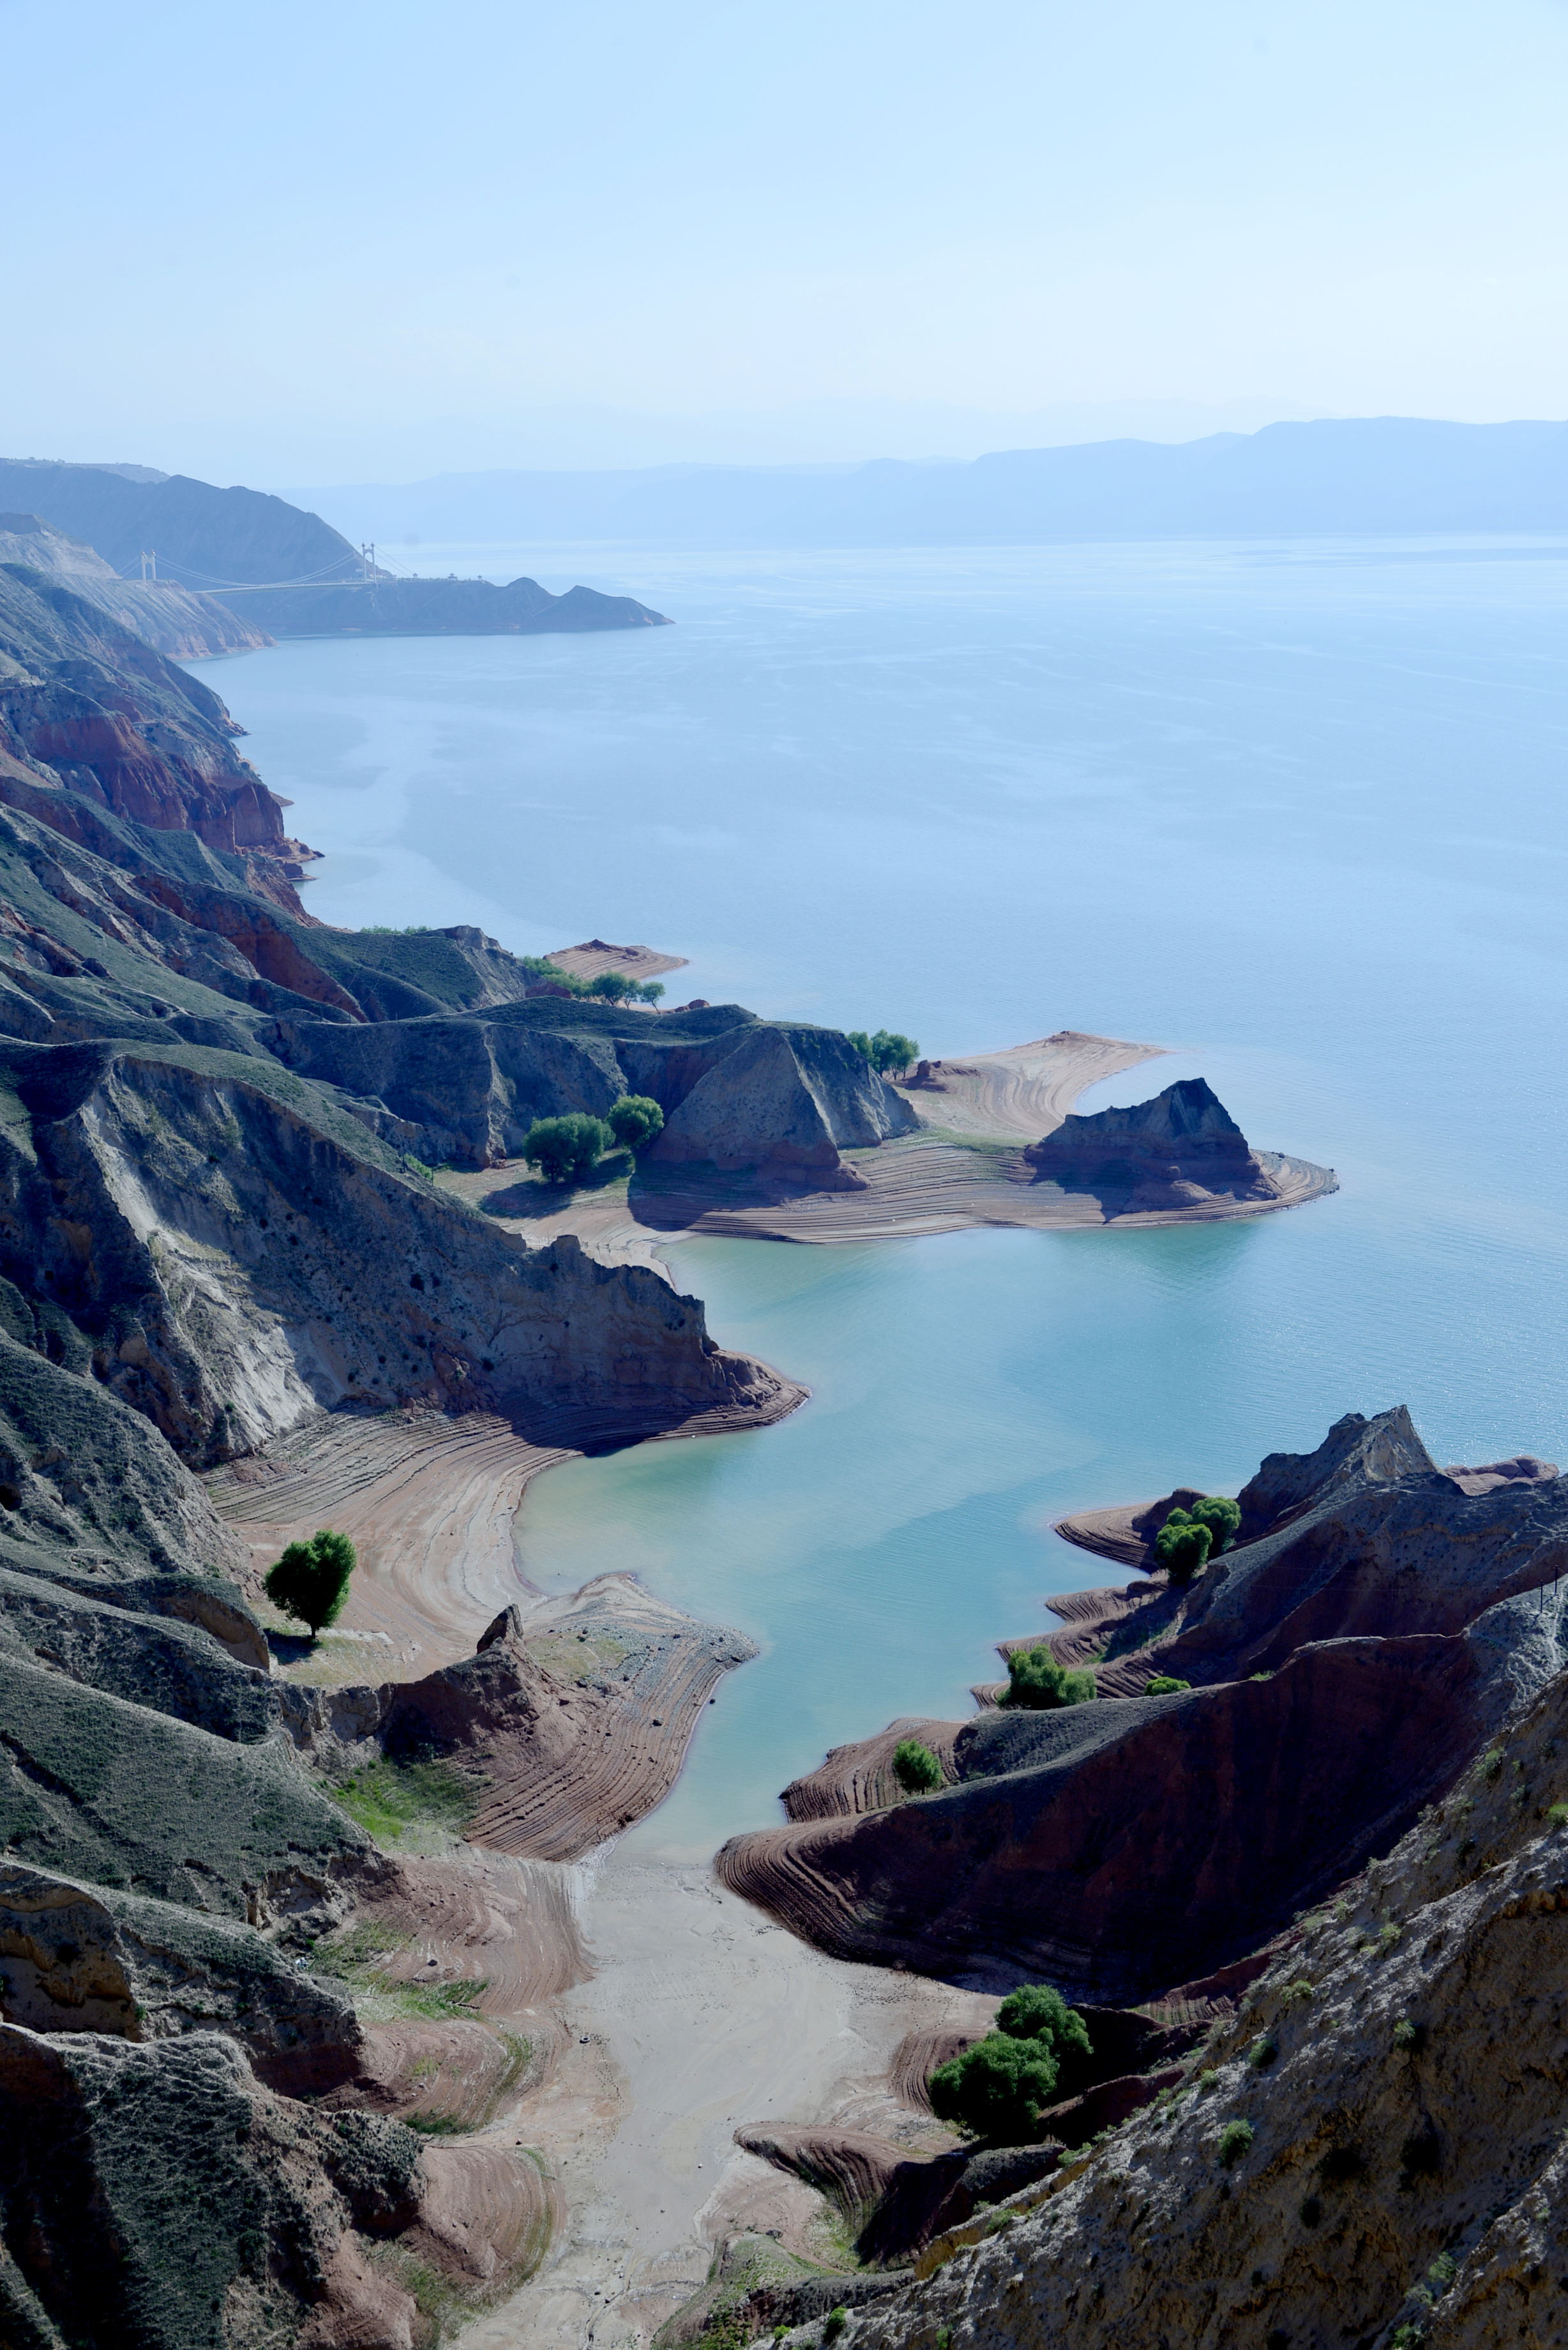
1295	811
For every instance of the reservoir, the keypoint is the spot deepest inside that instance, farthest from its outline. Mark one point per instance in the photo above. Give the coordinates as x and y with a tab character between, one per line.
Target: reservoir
1295	811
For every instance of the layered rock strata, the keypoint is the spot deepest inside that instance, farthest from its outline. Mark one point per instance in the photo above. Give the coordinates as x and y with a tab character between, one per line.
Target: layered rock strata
1345	1666
1179	1149
736	1091
1370	2151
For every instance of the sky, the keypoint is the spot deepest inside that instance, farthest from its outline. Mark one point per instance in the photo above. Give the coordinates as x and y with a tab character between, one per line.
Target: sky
347	240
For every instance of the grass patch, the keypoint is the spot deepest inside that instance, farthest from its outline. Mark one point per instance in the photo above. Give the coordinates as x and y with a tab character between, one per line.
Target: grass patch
355	1958
408	1806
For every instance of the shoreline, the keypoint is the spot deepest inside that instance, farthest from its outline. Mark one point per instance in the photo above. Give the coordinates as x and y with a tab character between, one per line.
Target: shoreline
964	1169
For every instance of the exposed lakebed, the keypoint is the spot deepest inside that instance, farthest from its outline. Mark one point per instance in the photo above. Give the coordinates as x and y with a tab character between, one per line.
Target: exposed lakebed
1296	811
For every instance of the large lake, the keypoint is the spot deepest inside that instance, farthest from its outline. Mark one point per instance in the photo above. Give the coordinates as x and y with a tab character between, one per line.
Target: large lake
1296	811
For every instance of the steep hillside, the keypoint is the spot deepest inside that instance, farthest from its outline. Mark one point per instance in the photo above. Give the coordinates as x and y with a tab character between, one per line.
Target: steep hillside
203	537
1343	1665
91	712
1369	2152
178	621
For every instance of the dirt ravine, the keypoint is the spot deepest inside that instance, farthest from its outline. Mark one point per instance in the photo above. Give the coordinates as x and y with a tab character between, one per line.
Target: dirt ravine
700	2016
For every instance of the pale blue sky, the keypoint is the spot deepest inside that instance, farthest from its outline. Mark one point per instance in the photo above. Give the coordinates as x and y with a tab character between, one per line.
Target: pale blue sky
384	237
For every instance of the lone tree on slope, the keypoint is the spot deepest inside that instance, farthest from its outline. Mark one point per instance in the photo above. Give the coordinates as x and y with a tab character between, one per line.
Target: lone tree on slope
310	1581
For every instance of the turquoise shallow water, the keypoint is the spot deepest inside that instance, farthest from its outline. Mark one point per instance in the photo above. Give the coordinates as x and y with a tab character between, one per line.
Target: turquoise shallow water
1295	811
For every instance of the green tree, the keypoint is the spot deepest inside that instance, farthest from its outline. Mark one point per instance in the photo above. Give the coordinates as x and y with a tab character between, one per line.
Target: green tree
651	991
889	1051
915	1767
1037	1682
612	986
1222	1516
1038	2013
886	1051
564	1148
634	1120
310	1581
565	982
1182	1546
997	2090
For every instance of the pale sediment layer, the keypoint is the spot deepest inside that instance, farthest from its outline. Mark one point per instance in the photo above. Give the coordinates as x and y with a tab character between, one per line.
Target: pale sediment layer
701	2020
593	957
1022	1092
430	1500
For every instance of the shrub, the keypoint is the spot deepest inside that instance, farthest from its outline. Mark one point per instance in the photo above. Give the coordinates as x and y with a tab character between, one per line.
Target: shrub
1234	2140
563	1149
634	1119
1038	2013
310	1581
1408	2033
1163	1685
1222	1516
915	1767
1262	2052
1038	1683
1298	1990
1182	1547
834	2323
998	2089
1557	1815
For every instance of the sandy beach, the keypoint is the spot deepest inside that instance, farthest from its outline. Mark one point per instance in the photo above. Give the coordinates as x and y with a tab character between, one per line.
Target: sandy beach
964	1169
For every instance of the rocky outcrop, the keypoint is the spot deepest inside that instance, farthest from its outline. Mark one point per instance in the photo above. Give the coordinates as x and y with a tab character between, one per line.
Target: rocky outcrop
89	709
81	1957
238	1255
1392	2089
1344	1667
110	1793
1179	1148
180	622
736	1091
570	1721
158	2194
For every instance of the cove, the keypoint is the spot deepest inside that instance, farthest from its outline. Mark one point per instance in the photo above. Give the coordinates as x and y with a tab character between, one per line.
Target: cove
1295	810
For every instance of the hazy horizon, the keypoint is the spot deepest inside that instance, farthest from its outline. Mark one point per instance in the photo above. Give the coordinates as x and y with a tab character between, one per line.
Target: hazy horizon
361	244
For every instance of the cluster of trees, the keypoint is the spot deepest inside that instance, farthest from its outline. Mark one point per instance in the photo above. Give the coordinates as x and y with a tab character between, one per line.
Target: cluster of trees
1037	2056
1189	1538
564	1148
610	987
1037	1682
888	1052
310	1581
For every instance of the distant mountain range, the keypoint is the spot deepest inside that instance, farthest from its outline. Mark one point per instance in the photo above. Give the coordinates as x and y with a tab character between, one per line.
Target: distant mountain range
1387	476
